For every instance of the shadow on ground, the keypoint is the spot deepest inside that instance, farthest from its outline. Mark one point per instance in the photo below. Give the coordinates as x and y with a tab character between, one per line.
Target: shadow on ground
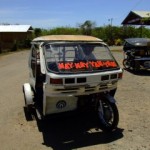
75	131
139	72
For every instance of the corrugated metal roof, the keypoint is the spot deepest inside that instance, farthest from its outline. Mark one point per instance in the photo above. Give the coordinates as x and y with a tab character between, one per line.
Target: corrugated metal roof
143	14
15	28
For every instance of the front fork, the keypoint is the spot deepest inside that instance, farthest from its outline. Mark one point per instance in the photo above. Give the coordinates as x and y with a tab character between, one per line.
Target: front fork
110	98
100	108
99	99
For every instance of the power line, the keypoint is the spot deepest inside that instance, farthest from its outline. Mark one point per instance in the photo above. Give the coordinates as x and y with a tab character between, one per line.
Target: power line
136	4
130	9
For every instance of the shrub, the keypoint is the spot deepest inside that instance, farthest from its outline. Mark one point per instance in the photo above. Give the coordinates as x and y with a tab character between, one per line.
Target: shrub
118	42
15	46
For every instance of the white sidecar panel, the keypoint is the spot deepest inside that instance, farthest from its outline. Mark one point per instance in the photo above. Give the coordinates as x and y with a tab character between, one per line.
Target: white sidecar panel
59	104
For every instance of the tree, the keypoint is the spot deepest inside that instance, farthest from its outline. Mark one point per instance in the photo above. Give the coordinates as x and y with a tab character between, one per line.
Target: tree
37	32
86	27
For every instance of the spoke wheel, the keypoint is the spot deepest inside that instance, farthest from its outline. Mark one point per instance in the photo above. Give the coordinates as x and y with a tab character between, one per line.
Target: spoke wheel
126	64
108	115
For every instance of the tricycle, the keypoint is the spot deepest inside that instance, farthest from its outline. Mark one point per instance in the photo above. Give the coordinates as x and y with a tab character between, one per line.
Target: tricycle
70	73
136	54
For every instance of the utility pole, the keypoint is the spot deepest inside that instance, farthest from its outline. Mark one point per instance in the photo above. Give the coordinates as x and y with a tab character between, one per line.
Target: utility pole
111	20
110	26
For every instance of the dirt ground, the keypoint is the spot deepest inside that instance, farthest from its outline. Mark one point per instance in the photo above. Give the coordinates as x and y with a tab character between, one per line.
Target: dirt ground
76	132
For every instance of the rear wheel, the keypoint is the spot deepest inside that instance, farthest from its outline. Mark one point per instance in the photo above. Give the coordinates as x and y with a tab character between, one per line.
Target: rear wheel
108	115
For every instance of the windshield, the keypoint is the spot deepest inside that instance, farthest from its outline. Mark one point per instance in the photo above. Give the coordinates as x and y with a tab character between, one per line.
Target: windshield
78	57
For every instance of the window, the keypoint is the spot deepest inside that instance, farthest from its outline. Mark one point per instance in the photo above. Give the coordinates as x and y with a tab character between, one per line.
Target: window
78	57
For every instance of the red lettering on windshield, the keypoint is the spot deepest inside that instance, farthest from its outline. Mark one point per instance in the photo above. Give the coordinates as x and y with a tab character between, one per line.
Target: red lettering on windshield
67	66
113	64
82	65
77	65
99	64
61	66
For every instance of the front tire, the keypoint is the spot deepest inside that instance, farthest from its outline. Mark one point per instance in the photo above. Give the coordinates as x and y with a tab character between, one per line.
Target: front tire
108	115
126	64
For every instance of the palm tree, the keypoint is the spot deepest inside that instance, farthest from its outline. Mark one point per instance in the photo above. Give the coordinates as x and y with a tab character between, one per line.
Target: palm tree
87	27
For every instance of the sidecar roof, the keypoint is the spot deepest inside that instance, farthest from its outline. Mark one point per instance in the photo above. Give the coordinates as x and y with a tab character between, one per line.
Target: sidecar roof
138	41
67	38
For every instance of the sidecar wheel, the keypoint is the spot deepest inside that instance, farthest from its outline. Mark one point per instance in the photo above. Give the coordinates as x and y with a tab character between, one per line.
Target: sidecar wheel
28	99
108	115
28	94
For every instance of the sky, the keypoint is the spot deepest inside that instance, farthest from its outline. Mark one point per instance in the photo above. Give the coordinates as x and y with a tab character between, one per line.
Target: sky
49	14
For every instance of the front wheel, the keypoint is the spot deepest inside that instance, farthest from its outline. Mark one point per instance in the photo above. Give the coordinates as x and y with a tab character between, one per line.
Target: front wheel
126	64
108	115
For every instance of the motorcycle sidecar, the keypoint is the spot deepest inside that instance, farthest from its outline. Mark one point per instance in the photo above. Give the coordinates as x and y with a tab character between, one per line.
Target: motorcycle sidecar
136	54
73	72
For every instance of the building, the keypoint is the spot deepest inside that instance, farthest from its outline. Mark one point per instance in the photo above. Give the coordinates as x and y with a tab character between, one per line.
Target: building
141	18
137	18
10	34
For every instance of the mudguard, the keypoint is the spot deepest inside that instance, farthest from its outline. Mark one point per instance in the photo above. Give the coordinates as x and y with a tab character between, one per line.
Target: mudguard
110	98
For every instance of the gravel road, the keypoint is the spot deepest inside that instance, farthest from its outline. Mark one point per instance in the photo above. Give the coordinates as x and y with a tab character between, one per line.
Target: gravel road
133	101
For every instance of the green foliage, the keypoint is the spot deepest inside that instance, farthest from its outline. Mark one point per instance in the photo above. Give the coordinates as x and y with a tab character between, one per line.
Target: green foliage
86	27
15	46
64	31
21	44
118	42
112	35
37	32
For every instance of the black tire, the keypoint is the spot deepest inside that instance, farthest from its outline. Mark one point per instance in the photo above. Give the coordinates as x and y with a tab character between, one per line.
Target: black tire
28	113
126	64
108	120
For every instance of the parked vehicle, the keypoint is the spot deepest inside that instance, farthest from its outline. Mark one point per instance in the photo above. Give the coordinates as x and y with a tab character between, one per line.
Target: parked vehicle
136	54
72	73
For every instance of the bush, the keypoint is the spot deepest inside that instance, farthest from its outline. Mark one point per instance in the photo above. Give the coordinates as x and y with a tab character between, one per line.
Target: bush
21	44
26	43
118	42
15	46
